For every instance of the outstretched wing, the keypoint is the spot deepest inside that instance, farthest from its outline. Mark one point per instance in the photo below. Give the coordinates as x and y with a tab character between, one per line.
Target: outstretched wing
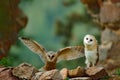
35	47
70	53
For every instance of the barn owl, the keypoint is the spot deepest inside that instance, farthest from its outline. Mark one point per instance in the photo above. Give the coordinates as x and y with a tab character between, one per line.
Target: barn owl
91	50
50	58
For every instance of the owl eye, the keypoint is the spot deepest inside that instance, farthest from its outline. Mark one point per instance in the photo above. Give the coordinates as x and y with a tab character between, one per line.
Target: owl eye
86	38
91	40
52	56
49	56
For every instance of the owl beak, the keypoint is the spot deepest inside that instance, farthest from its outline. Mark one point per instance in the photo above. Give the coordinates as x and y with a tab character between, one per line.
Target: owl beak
89	41
51	57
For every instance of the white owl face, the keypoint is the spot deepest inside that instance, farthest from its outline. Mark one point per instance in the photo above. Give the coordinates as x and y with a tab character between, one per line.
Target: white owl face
89	40
50	56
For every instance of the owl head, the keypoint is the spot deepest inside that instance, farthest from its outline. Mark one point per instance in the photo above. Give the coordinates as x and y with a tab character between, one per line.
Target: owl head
51	55
89	40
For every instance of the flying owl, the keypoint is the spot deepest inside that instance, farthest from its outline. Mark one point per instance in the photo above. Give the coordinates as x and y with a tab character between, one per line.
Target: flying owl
50	58
91	50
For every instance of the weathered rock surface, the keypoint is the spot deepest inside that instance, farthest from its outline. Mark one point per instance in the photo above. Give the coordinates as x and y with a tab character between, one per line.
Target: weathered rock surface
24	71
6	74
96	72
64	73
51	75
78	72
113	54
12	20
27	72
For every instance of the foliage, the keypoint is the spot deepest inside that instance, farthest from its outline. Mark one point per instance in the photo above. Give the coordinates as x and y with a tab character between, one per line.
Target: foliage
67	78
105	78
7	61
117	72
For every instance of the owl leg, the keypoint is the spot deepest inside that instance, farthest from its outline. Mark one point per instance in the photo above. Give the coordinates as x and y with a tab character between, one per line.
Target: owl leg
93	63
87	63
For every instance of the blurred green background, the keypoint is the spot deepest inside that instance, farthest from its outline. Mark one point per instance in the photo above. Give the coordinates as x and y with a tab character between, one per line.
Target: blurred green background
42	17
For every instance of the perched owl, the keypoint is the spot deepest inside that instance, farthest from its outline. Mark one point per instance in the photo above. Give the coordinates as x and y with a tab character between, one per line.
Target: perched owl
50	58
91	50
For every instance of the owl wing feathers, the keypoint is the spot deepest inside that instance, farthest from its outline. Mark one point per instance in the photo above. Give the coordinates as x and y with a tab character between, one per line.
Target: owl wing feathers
70	53
35	47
